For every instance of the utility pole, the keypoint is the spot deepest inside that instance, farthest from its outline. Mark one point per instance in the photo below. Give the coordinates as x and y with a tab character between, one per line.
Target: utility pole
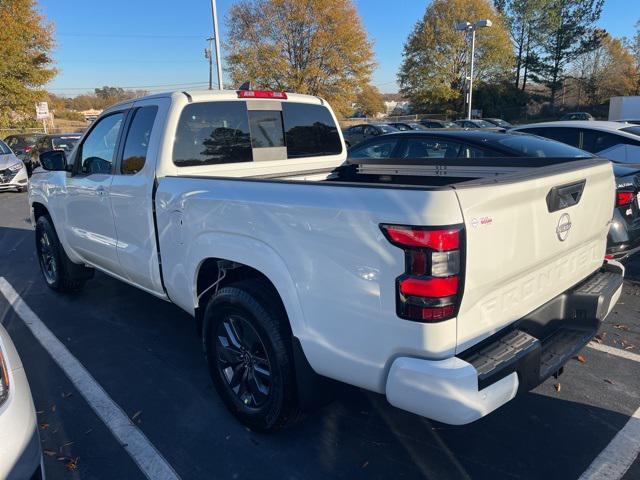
216	38
208	54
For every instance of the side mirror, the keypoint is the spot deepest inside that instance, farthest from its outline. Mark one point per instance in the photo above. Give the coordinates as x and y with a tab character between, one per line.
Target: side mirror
54	160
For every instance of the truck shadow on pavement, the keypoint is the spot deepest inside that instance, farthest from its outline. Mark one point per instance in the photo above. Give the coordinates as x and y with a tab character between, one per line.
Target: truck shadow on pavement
145	353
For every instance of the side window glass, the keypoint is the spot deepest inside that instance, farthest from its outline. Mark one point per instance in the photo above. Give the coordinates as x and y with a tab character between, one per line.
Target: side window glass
99	148
570	136
468	151
212	133
595	141
376	150
137	142
431	148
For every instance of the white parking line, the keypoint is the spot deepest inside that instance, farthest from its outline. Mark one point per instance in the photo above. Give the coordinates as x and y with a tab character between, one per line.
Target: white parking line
615	351
614	461
144	454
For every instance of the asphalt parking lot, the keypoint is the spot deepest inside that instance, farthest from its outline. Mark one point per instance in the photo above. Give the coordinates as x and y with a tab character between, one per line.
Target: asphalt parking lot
146	355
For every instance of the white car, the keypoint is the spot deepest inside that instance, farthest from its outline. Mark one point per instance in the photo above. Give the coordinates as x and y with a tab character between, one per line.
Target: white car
613	140
20	452
421	280
13	172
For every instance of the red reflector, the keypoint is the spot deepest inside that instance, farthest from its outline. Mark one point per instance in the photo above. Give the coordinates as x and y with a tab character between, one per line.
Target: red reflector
608	257
412	237
624	198
437	313
433	287
262	94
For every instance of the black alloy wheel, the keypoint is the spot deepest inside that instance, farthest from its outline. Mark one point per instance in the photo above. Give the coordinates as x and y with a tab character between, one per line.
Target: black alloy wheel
47	257
242	361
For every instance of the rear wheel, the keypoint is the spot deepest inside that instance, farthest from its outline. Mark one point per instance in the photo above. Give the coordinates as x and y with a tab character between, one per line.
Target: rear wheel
248	347
59	272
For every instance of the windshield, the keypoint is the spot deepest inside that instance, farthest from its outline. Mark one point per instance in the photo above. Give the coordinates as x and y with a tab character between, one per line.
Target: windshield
483	124
533	146
4	150
501	123
64	143
387	129
635	130
20	142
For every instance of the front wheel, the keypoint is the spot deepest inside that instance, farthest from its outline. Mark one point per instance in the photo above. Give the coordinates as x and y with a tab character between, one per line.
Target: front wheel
248	347
59	272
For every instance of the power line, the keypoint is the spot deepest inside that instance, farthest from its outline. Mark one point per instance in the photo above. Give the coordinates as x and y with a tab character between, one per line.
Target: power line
124	35
133	87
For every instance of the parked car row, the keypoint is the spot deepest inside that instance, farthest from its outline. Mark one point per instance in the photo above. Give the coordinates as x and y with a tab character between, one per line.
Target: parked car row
19	156
359	133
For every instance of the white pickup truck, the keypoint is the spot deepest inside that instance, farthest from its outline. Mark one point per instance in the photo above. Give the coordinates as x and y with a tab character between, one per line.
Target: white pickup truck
447	286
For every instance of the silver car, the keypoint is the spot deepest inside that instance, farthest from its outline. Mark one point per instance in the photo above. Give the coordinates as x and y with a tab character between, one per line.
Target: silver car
20	452
13	172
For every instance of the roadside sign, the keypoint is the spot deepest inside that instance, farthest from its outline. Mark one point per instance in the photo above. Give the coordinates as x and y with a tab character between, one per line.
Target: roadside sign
42	111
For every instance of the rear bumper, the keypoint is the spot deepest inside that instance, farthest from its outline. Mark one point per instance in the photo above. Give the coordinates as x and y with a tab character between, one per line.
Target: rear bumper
624	237
462	389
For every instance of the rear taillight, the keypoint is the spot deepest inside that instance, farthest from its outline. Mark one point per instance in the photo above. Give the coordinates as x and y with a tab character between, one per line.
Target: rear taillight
624	198
429	290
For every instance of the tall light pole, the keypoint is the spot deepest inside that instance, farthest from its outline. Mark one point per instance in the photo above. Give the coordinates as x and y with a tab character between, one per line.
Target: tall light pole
216	38
472	27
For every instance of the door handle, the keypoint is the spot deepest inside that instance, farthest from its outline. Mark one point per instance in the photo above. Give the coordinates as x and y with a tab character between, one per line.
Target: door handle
101	191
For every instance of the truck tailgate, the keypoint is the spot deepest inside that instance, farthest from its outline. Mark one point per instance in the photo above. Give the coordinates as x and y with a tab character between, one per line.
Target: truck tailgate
529	240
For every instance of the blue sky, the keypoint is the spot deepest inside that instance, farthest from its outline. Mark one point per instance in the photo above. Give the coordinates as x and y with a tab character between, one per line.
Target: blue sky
158	45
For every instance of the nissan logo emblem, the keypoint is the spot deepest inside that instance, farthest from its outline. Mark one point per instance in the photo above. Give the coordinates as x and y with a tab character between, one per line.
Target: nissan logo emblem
564	225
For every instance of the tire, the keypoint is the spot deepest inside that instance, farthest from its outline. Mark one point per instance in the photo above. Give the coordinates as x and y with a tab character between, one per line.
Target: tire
58	271
247	343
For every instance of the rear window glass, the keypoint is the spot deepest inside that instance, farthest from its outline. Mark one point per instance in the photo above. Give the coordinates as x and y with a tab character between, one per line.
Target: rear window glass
212	133
266	128
310	131
387	129
634	130
531	146
226	132
64	143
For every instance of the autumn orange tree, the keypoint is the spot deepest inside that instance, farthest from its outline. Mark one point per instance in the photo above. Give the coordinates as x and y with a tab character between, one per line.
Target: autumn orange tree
26	41
369	101
606	71
318	47
436	56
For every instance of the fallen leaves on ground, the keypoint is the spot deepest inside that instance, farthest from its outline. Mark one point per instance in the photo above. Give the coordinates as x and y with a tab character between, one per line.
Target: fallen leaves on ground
73	464
620	326
557	386
581	358
609	381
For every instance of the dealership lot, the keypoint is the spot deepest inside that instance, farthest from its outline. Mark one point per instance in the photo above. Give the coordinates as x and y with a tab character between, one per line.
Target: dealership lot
146	356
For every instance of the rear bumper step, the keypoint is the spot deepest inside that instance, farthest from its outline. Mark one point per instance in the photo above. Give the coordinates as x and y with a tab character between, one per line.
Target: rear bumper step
538	345
462	389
